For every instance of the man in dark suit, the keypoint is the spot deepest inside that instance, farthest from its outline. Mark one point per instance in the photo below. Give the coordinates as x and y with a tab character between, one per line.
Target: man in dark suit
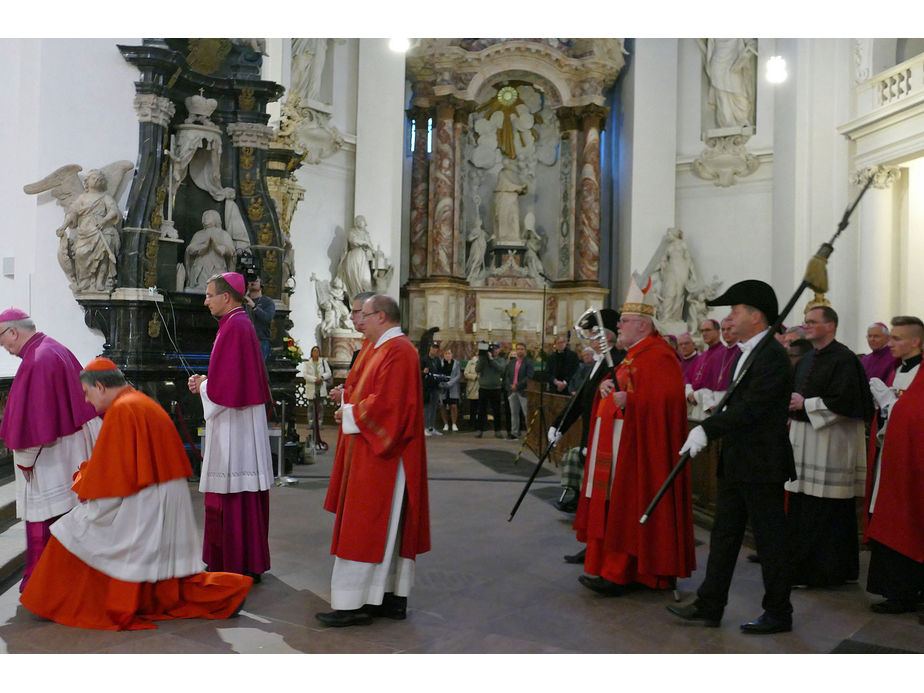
755	461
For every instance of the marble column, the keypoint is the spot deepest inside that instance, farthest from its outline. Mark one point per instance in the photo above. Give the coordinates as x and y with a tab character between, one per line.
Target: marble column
568	156
877	238
587	260
442	193
420	189
460	126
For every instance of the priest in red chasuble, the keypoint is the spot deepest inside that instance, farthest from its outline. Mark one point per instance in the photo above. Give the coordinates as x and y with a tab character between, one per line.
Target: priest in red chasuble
128	553
641	418
379	492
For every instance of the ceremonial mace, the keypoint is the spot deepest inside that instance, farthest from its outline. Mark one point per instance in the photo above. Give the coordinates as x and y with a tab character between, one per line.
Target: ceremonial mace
597	333
816	277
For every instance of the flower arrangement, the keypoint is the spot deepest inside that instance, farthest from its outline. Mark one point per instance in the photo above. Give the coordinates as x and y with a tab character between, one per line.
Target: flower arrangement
292	350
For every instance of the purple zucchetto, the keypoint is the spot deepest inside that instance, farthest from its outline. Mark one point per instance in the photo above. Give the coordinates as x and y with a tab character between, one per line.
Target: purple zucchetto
12	314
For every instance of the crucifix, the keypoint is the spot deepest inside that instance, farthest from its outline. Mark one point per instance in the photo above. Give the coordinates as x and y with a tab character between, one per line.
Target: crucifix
513	313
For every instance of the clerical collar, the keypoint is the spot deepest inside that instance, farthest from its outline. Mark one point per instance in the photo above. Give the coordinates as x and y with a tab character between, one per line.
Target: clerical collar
390	333
910	363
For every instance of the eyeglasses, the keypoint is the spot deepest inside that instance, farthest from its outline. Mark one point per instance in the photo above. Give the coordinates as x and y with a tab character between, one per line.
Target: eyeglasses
5	331
367	315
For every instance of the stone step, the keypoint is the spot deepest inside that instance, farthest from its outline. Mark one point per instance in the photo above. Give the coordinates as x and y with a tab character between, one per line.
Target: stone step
13	538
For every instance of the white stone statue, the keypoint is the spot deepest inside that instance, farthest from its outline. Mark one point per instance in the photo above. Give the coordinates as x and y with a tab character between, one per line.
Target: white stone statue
358	259
89	254
474	263
532	259
308	58
210	251
676	276
332	307
507	205
681	295
731	66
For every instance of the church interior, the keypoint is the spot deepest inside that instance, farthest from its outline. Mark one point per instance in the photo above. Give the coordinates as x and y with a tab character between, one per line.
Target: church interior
497	188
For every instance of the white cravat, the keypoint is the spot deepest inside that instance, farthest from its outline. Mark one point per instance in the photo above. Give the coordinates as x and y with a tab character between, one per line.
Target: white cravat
746	348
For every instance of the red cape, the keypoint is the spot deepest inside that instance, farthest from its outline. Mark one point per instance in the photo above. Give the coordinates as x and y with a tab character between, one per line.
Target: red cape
237	376
898	521
46	401
387	401
138	445
655	429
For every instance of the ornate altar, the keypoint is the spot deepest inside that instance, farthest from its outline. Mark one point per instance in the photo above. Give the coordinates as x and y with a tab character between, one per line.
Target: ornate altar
506	206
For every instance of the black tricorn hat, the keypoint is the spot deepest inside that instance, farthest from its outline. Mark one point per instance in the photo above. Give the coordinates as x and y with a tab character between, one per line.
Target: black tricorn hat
751	292
610	320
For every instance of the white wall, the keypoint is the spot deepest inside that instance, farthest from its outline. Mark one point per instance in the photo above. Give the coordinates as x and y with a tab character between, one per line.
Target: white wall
65	101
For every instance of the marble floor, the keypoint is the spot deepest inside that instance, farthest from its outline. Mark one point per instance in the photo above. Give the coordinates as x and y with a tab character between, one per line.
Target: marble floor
489	586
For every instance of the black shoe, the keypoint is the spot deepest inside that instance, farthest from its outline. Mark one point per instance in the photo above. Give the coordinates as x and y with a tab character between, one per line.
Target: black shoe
566	506
892	606
602	586
257	579
510	436
391	607
753	558
576	557
341	618
767	624
691	612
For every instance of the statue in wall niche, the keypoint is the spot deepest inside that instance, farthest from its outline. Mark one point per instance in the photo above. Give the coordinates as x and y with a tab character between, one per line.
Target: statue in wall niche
507	205
731	66
210	251
89	254
474	263
358	259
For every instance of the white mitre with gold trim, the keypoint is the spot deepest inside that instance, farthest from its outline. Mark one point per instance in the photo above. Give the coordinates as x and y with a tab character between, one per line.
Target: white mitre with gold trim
639	301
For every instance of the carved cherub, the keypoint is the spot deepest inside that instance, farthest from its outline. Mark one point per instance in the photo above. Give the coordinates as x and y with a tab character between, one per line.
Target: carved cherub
89	254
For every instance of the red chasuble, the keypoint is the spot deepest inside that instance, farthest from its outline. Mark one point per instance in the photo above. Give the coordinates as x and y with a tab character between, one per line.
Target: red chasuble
654	430
898	521
387	400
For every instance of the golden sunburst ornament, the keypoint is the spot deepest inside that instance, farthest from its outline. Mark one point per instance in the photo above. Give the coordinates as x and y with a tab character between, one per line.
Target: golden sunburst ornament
507	96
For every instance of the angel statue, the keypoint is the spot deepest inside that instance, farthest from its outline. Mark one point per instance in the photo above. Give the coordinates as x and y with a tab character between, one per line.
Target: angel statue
89	254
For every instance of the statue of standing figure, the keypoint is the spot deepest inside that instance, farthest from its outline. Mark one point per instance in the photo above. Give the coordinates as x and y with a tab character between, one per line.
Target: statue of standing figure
210	252
356	263
507	205
731	66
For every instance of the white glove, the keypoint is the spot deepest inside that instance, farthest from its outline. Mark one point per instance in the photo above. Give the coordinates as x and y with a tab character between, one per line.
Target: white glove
696	441
554	435
883	394
688	389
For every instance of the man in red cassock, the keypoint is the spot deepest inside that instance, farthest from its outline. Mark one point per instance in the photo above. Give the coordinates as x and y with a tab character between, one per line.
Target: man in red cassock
895	484
645	409
127	554
379	492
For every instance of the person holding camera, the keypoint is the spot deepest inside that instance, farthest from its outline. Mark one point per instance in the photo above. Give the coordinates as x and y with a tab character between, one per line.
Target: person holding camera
490	368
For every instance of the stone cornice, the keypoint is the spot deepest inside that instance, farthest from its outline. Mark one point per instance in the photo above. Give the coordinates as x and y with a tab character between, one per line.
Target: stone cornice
254	135
151	108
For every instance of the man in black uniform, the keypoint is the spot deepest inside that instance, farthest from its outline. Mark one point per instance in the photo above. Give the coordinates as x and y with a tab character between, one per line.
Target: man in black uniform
755	461
561	366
